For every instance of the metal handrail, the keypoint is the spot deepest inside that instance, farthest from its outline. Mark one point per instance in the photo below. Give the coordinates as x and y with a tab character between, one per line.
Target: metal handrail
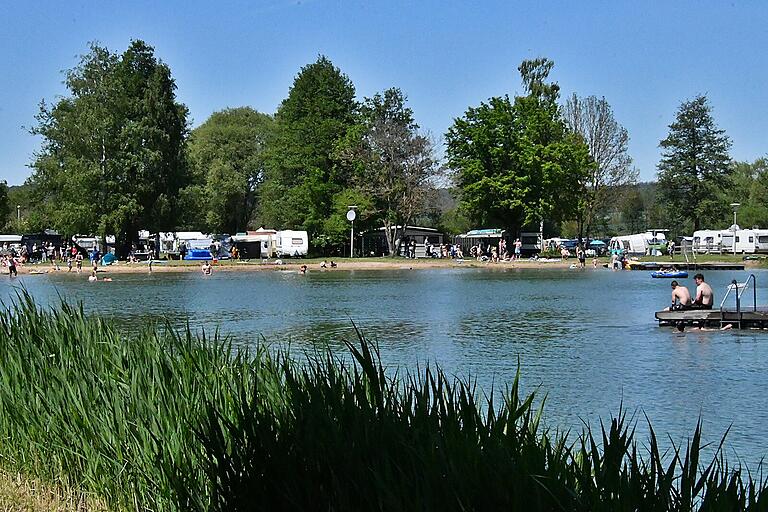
754	290
735	286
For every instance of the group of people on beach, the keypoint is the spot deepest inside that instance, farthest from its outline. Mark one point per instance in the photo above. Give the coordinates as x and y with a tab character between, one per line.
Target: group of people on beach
73	257
496	252
681	297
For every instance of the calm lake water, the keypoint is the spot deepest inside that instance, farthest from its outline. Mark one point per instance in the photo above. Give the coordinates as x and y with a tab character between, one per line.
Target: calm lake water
588	339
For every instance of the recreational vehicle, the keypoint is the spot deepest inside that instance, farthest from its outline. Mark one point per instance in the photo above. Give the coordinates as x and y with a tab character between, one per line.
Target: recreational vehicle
168	246
707	241
746	241
480	238
531	242
761	240
292	244
193	239
8	242
256	244
639	243
89	242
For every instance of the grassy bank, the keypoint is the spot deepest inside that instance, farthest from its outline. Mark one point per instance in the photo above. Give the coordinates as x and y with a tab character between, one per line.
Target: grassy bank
168	421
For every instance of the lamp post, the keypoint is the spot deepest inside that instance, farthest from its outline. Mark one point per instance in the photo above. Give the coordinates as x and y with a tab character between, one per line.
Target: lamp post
351	215
735	206
18	212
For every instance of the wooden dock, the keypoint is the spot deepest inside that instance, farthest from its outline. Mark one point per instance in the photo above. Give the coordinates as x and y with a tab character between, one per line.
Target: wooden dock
749	318
657	265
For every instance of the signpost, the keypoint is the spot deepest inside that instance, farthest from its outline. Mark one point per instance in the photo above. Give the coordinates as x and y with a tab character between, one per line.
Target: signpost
351	215
735	206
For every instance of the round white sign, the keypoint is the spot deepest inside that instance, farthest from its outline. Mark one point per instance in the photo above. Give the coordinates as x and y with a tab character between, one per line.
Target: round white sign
351	215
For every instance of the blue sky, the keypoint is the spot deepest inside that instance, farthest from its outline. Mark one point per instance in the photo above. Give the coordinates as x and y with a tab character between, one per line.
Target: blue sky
644	57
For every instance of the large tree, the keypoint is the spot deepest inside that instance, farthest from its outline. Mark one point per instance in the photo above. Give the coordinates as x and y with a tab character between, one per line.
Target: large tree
112	158
226	156
592	119
695	168
516	162
750	188
5	207
300	180
394	163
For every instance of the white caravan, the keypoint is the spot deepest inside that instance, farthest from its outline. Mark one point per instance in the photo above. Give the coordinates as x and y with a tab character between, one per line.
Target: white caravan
707	241
746	241
638	243
761	240
8	242
89	242
256	244
193	240
293	244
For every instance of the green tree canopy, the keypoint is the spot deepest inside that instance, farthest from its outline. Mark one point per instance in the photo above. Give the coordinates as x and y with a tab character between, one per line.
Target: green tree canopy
391	162
592	119
515	162
300	179
112	158
695	168
226	156
5	207
750	188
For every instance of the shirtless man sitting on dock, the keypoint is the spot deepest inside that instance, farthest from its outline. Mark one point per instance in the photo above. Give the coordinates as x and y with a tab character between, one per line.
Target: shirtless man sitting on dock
704	294
681	297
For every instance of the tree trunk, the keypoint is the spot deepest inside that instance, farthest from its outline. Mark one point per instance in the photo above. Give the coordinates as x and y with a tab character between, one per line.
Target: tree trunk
390	235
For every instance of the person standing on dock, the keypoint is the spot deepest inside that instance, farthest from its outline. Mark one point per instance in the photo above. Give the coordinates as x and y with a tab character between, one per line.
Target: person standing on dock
704	294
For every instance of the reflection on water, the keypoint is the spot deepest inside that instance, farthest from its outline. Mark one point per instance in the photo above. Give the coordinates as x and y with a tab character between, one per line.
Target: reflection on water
587	338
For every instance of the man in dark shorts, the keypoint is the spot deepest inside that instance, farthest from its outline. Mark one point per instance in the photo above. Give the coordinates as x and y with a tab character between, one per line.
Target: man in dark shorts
704	294
681	297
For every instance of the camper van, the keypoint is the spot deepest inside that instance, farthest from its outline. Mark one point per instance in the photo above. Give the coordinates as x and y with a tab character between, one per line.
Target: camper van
707	241
639	243
8	242
531	242
89	242
194	239
256	244
746	241
761	240
293	244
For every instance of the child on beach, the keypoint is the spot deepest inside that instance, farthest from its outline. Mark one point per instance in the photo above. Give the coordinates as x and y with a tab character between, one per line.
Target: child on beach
11	264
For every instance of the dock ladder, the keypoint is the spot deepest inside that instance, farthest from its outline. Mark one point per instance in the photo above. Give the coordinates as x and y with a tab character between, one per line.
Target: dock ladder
738	289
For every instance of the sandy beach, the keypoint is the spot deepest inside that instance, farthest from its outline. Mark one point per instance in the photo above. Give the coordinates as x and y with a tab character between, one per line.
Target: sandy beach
313	265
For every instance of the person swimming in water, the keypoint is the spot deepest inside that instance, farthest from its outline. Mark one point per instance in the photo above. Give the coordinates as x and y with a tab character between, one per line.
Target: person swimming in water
681	328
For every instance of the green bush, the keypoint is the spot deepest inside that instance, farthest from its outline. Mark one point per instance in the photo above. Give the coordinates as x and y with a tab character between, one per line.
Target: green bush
164	420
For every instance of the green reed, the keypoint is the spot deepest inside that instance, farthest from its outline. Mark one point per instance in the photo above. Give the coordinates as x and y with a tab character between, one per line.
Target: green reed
165	420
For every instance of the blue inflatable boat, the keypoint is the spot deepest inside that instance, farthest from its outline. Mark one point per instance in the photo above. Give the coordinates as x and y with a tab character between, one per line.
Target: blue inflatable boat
669	274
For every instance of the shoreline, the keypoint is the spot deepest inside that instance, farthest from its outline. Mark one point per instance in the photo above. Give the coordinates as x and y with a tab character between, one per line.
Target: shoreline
313	265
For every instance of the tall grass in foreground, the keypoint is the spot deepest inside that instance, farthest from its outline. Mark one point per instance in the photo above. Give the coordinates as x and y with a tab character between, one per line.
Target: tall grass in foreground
166	421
